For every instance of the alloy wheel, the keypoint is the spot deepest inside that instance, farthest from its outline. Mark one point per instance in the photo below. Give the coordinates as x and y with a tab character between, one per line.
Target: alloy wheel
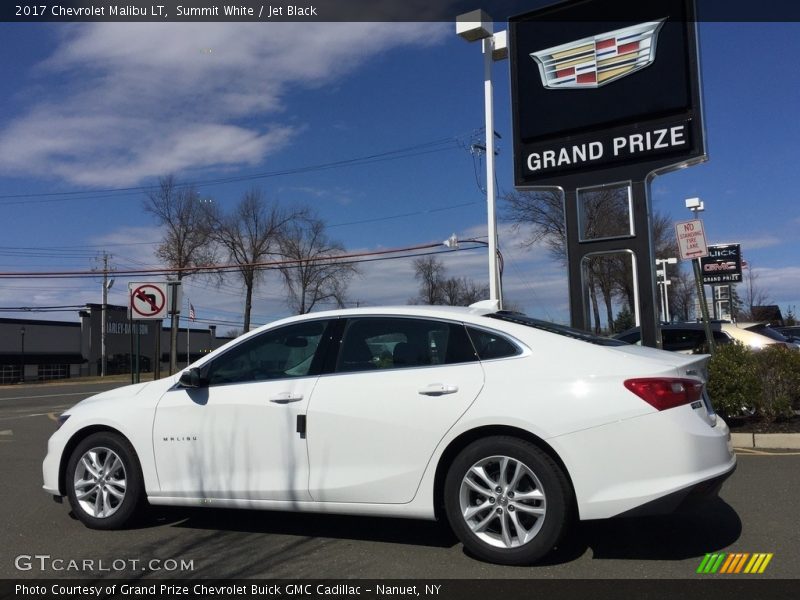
100	482
502	502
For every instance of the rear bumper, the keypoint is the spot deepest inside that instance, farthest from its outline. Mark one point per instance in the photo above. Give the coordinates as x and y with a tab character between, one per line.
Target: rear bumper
655	463
684	499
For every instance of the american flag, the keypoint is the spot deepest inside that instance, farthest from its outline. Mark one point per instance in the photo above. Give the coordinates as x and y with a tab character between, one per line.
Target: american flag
192	314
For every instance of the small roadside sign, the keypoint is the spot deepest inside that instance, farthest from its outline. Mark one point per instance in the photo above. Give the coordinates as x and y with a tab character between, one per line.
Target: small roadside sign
148	300
691	239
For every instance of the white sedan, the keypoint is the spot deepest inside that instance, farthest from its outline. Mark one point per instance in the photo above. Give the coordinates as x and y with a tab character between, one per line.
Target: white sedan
506	426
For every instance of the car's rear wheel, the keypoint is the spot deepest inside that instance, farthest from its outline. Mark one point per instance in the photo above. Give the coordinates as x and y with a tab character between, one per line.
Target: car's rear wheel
507	501
104	481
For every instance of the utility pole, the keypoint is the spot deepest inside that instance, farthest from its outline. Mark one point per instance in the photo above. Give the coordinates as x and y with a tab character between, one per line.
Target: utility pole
107	283
104	317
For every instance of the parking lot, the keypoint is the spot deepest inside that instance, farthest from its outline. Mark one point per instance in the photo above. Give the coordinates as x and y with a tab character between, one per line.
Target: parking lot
757	512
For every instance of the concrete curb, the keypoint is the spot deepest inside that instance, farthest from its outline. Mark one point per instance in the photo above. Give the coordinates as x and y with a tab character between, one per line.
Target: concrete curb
789	441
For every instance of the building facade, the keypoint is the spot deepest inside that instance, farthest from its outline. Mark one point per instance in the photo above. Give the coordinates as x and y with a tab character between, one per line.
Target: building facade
34	350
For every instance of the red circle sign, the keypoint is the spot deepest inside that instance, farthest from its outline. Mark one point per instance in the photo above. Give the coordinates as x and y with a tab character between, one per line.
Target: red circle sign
148	300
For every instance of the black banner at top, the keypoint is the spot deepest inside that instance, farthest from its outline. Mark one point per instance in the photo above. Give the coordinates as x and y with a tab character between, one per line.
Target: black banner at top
362	10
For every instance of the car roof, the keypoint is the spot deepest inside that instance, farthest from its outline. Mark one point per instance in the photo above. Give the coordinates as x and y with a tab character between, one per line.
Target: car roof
472	314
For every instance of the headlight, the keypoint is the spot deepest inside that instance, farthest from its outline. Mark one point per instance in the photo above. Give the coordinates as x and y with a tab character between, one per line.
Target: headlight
61	420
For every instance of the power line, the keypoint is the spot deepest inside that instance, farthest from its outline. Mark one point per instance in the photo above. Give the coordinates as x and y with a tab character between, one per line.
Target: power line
110	193
221	268
353	258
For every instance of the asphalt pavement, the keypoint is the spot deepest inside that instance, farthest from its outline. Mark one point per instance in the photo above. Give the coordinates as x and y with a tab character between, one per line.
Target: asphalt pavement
756	513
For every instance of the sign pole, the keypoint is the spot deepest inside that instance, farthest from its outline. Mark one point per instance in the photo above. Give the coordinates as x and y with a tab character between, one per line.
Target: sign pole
130	337
701	296
138	372
188	322
157	365
495	289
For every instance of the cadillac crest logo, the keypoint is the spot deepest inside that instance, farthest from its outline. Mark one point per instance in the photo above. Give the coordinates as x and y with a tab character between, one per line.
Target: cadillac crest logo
595	61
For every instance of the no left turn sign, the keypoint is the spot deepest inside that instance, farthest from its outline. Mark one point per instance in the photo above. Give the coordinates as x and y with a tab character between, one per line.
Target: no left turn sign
148	300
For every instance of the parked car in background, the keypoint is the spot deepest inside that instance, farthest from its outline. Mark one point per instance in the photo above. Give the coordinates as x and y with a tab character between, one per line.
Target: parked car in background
506	426
690	338
762	329
790	332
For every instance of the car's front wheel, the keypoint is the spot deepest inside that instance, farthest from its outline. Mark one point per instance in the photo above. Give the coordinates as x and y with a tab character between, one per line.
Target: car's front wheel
507	501
104	481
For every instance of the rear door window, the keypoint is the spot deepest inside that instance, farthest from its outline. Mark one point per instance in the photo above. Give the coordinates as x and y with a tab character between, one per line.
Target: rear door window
371	343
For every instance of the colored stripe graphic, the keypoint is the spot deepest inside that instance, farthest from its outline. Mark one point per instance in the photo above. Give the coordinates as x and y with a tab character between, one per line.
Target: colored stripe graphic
734	563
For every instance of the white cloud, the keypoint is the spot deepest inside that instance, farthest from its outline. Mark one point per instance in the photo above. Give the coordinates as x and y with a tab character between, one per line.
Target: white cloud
758	242
124	102
781	284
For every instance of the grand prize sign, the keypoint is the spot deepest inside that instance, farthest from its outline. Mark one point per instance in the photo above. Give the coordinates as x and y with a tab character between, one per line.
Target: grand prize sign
591	93
606	94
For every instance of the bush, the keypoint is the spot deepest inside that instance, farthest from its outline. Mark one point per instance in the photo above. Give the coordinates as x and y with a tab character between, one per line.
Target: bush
779	375
743	382
733	381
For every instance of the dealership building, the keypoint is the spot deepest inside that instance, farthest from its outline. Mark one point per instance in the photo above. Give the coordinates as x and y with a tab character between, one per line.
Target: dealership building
35	350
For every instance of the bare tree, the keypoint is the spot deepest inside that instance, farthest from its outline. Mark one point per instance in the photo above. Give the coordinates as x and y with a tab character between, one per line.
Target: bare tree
315	276
436	288
540	214
250	235
429	271
682	295
754	295
186	243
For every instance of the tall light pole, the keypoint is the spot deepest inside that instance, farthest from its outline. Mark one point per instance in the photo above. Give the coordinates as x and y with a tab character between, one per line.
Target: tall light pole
697	206
663	262
473	26
107	283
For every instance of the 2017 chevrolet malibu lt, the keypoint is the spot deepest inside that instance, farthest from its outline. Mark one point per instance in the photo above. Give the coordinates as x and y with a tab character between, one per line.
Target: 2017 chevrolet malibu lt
506	426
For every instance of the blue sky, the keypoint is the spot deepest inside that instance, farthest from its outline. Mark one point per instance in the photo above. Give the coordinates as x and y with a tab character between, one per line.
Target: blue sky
103	106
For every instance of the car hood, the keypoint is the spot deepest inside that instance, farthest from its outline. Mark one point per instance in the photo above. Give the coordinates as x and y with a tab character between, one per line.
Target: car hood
129	392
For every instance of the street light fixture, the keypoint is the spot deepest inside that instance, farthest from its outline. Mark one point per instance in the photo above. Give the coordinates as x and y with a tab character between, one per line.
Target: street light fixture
473	26
453	242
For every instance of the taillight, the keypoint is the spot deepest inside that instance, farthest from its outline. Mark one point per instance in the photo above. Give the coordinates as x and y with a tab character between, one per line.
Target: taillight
666	392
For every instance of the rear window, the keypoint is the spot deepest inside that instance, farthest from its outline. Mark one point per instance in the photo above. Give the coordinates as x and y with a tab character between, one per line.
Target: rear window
576	334
489	345
767	331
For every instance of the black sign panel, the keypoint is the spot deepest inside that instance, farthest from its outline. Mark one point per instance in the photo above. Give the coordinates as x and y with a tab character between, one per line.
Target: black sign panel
722	265
596	95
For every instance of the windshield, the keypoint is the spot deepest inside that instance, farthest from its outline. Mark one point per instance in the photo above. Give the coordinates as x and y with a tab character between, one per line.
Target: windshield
577	334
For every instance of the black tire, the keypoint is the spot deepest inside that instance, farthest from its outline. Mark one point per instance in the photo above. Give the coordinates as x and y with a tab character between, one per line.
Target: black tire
537	504
110	470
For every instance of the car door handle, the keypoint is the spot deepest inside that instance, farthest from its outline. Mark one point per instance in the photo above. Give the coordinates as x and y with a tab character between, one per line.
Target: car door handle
438	389
286	398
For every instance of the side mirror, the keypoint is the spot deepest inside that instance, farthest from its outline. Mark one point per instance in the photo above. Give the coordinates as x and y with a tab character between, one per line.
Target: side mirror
191	379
